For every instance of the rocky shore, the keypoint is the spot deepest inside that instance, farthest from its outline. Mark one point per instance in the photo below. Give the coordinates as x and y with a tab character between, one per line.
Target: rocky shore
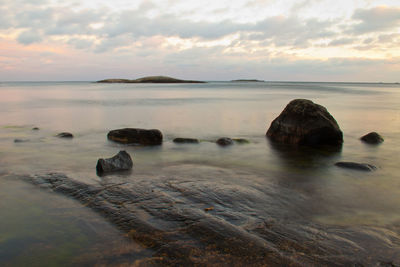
201	224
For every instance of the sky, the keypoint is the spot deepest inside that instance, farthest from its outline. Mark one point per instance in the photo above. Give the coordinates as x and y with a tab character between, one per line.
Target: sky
274	40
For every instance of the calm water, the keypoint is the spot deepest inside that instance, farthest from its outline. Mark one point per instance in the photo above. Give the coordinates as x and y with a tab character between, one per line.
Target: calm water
245	184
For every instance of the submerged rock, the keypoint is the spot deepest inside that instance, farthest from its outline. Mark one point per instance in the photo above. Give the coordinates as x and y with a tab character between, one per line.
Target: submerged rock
356	166
120	162
303	122
241	141
372	138
136	136
17	140
186	140
65	135
225	141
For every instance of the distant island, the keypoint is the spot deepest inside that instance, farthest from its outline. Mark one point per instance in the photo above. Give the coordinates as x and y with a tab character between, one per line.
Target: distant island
248	80
150	79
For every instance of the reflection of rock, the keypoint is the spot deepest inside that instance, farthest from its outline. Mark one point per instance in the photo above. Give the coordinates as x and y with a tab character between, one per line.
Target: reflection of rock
186	140
120	162
65	135
224	141
136	136
372	138
303	122
356	166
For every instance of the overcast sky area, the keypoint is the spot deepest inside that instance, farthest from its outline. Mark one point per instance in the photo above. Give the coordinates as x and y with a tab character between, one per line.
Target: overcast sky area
274	40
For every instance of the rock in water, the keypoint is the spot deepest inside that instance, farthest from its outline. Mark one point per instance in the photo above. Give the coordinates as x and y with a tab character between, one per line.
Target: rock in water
120	162
65	135
303	122
372	138
225	141
186	140
356	166
136	136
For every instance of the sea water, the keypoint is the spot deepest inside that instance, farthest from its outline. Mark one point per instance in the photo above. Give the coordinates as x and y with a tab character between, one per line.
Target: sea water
246	183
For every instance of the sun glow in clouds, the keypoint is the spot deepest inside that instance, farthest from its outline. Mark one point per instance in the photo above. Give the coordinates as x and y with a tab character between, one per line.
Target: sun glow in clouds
199	39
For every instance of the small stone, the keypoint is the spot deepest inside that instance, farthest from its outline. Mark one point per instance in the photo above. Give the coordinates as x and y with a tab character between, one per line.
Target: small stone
209	209
120	162
35	129
186	140
372	138
356	166
225	141
65	135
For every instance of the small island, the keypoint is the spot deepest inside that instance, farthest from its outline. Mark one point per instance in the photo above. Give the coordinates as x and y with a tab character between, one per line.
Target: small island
150	79
247	80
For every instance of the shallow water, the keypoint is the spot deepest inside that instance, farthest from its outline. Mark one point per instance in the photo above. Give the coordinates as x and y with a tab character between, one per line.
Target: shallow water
245	184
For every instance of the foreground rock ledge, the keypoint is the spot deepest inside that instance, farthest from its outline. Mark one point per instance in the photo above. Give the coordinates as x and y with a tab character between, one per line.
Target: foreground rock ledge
303	122
136	136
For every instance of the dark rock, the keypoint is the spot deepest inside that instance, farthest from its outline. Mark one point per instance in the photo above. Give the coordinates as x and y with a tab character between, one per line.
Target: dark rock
356	166
120	162
35	129
186	140
372	138
224	141
303	122
65	135
136	136
241	141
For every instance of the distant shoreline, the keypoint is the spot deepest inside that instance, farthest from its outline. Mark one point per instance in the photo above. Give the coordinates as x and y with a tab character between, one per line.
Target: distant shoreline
150	79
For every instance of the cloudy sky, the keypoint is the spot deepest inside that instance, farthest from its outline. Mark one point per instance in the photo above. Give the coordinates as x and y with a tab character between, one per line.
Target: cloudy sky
286	40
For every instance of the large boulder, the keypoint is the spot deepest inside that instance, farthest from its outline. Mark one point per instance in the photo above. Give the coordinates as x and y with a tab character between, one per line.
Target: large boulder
136	136
303	122
120	162
372	138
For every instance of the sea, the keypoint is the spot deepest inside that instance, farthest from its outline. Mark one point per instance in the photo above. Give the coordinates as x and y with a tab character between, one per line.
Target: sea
350	214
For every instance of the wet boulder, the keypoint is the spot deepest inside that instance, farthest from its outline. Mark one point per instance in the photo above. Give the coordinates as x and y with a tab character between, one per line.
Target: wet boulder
303	122
120	162
356	166
225	141
65	135
180	140
136	136
372	138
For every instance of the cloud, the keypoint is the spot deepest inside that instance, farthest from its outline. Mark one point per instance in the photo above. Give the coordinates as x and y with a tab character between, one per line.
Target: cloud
29	37
342	41
376	19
